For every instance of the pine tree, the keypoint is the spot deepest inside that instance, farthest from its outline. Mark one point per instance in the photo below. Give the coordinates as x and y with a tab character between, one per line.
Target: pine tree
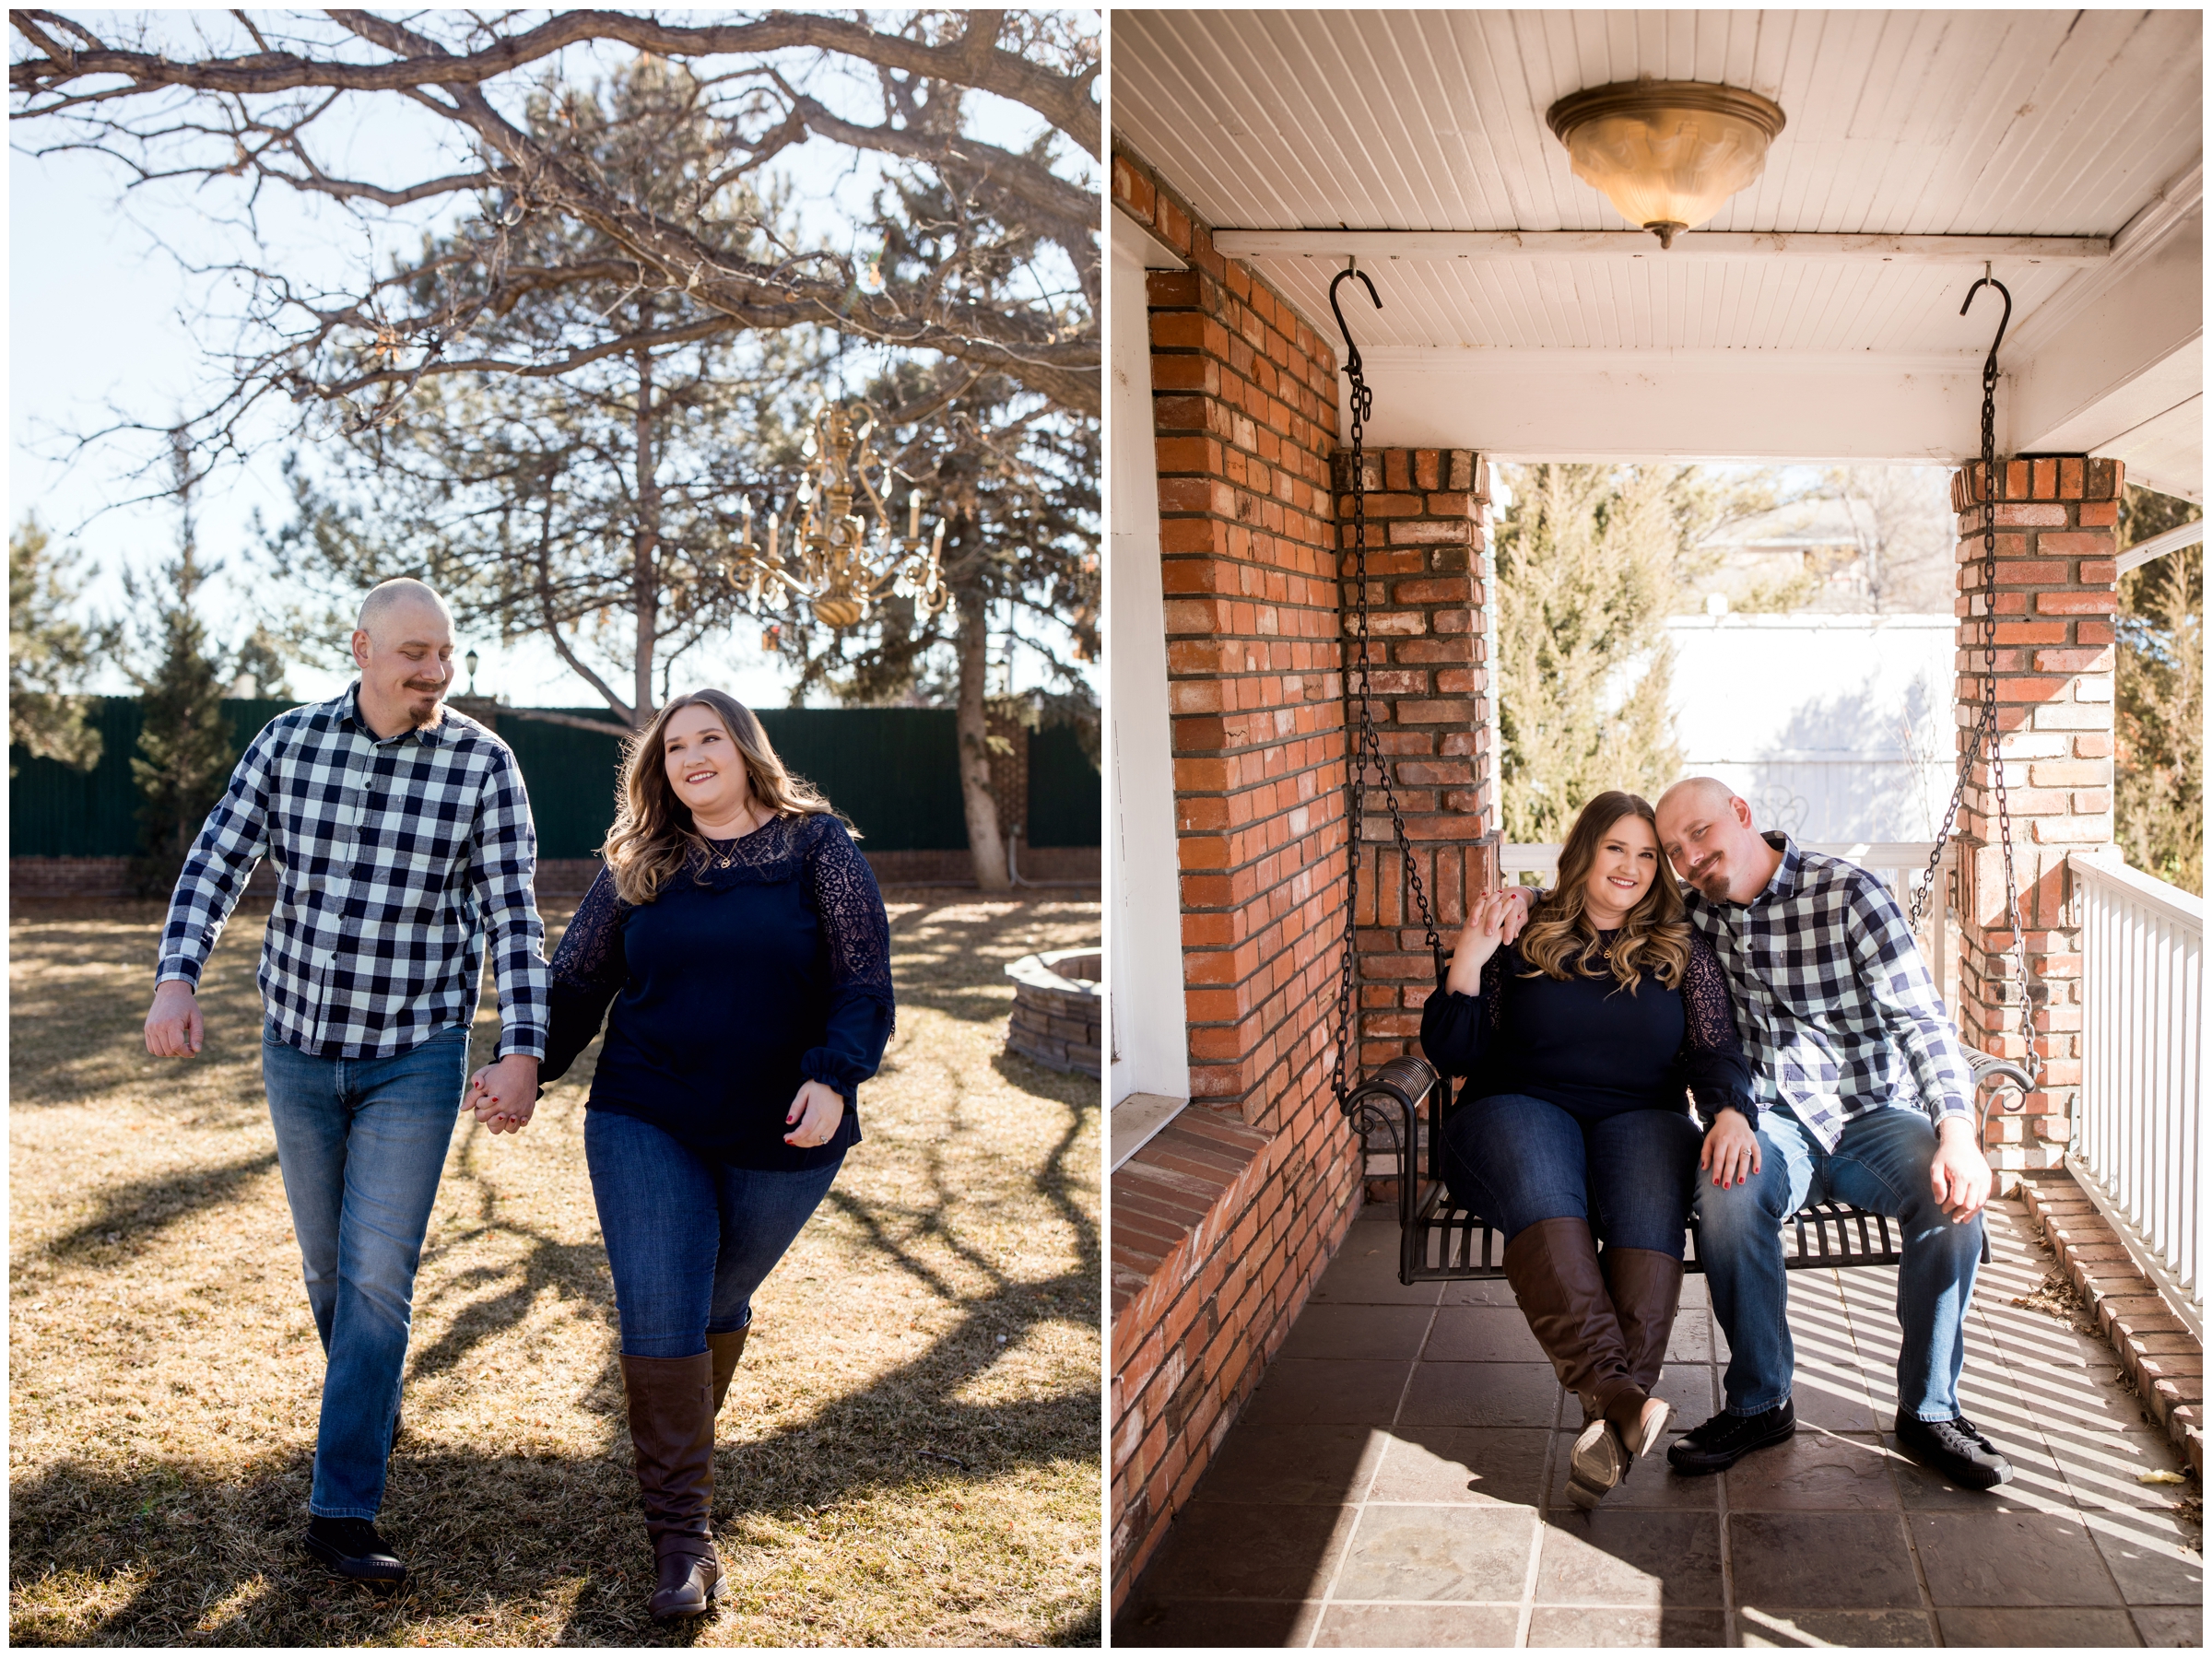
2158	768
1587	562
184	753
49	654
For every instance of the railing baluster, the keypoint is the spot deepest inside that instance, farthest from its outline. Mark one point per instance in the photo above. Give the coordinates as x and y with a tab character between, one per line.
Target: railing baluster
2142	1063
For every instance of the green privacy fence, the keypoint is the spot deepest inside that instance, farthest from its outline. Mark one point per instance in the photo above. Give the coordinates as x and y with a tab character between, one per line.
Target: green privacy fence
890	770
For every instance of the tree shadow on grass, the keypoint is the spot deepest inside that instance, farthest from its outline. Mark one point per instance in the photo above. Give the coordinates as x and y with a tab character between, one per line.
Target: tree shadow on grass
137	1212
955	964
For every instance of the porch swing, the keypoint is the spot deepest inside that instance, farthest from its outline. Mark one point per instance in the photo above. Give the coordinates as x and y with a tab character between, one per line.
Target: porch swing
1404	1101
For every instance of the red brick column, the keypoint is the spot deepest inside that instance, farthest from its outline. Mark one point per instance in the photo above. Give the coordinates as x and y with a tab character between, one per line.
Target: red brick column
1221	1225
2055	597
1427	520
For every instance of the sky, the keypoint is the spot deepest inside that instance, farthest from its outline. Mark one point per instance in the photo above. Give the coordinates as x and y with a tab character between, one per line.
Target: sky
101	325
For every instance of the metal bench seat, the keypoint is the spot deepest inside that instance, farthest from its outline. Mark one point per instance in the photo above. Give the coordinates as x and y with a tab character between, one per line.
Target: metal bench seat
1440	1242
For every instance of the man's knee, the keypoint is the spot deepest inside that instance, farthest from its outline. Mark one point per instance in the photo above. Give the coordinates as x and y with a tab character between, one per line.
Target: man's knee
1755	1207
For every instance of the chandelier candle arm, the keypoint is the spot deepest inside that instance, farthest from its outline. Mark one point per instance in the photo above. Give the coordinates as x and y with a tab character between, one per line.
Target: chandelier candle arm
844	542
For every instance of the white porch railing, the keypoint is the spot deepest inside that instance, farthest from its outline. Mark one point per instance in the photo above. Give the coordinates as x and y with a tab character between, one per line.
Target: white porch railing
1900	865
2142	971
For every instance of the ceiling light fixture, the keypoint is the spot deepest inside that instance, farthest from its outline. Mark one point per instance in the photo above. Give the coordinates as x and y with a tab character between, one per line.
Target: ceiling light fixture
1667	153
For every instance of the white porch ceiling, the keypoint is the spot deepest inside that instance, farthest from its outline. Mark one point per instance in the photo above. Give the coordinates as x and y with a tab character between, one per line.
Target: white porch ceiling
2052	124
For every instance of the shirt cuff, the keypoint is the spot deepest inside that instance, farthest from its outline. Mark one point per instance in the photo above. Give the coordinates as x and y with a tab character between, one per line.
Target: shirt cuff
526	1040
832	1069
175	968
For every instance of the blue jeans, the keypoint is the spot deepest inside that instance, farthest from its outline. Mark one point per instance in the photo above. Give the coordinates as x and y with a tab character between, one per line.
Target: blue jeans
689	1239
362	1143
1880	1164
1515	1160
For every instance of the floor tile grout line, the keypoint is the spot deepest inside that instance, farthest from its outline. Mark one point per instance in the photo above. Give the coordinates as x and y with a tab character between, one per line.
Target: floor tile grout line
1328	1594
1526	1615
1728	1628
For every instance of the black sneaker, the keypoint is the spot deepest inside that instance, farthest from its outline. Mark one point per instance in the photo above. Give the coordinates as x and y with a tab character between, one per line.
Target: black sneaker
353	1549
1726	1440
1956	1449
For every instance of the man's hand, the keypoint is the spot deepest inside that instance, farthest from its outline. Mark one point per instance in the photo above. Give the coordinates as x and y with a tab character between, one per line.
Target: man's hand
504	1095
1731	1152
1481	938
1516	913
1959	1173
818	1110
173	1026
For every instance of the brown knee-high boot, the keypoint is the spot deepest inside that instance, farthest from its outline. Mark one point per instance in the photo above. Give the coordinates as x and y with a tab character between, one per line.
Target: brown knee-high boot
1646	1287
672	1432
1553	1268
727	1349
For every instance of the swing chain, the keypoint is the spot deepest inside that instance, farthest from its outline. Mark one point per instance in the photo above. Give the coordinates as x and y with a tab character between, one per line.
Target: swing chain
1367	747
1986	734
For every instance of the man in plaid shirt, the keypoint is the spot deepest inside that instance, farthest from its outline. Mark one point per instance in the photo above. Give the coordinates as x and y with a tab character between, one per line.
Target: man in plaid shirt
1865	1097
402	837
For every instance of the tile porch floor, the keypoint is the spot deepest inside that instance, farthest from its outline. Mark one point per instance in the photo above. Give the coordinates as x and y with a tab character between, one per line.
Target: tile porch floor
1397	1481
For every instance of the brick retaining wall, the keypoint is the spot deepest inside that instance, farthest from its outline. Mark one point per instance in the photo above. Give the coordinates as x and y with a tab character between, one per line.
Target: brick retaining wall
2161	1357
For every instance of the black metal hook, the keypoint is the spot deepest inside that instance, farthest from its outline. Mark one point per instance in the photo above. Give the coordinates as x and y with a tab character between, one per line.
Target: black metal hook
1352	364
1990	367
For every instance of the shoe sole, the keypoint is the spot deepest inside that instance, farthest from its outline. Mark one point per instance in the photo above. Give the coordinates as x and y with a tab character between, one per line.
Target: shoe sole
1598	1463
1708	1462
345	1566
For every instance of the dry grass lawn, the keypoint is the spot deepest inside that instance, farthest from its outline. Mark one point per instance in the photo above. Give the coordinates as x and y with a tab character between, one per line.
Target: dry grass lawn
909	1456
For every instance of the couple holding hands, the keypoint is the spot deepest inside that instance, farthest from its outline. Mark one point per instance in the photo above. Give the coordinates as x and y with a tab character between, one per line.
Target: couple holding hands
736	932
1581	1014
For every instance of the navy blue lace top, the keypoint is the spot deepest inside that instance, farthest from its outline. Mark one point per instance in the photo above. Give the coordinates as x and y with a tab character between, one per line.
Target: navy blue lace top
757	968
1590	1046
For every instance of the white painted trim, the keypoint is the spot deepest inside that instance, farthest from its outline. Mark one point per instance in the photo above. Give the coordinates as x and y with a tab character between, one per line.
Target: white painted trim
2138	239
1147	1035
1134	240
2157	546
1507	402
1137	1119
2170	901
1641	244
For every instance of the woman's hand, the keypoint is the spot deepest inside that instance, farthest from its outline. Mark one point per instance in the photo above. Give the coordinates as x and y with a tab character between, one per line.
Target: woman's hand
504	1095
818	1110
1487	927
1731	1152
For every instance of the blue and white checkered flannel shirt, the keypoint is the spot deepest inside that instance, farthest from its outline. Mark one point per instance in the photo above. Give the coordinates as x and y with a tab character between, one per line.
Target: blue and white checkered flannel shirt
396	856
1840	1016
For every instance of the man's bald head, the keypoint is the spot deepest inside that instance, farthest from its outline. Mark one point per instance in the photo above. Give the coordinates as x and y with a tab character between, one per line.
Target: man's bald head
1709	794
391	602
1705	831
404	646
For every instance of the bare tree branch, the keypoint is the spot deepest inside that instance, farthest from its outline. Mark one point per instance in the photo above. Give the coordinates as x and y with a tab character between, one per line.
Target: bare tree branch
974	60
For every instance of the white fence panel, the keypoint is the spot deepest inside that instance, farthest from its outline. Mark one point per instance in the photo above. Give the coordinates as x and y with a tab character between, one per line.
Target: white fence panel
2143	946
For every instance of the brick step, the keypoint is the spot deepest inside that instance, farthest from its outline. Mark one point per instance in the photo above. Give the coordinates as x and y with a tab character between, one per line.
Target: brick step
2163	1360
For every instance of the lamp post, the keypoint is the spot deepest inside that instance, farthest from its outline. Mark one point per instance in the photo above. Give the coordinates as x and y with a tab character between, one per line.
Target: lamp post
470	660
834	547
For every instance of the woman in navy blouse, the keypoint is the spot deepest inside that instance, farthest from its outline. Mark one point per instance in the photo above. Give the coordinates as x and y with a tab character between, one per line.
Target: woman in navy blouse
1578	1038
742	943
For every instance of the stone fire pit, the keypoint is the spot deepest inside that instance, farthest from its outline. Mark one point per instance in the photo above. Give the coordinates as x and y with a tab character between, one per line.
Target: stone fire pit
1057	1008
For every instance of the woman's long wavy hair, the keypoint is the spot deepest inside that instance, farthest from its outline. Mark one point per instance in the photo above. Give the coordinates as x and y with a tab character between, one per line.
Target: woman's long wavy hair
653	836
1560	940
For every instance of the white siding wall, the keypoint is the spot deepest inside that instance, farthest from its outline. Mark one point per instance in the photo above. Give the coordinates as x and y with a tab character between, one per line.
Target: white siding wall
1816	719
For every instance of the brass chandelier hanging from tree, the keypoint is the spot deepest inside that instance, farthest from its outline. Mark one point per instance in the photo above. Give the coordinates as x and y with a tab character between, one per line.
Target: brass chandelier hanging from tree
833	548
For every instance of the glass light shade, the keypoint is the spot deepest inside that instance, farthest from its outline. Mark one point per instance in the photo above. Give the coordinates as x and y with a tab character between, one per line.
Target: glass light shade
1667	154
